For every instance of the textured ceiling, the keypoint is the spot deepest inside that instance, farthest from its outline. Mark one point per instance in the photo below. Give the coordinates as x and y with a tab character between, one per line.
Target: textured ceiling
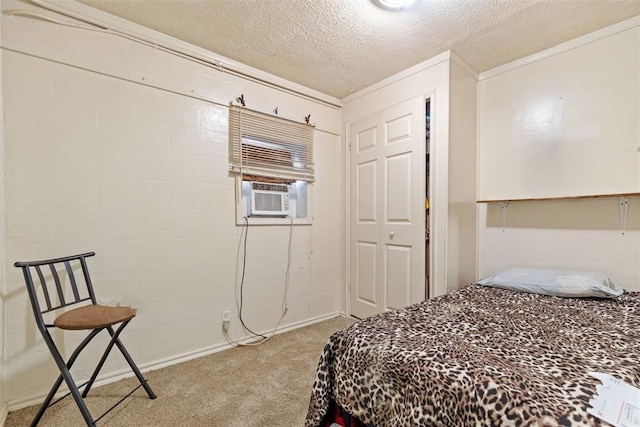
340	46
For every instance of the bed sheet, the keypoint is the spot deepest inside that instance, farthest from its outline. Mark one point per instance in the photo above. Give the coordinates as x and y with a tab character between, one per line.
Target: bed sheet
479	356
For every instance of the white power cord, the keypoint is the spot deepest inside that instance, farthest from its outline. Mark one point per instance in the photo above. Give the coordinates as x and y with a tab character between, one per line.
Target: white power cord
285	308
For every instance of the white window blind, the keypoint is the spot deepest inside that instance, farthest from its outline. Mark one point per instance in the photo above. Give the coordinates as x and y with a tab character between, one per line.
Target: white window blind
269	146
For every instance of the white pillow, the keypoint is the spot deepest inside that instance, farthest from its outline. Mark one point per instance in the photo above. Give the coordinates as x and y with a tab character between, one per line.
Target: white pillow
561	283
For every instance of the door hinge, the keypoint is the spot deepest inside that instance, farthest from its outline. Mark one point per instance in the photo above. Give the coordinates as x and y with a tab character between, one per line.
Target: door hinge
349	146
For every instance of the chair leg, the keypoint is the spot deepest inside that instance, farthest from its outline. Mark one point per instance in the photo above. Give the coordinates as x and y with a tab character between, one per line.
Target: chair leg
132	364
115	340
78	398
134	368
45	404
103	359
65	375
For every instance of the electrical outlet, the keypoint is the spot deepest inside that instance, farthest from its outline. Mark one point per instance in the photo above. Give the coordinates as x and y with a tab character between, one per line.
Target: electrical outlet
226	319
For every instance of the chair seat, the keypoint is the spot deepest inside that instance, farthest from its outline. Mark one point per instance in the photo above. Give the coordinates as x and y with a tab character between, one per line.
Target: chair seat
93	317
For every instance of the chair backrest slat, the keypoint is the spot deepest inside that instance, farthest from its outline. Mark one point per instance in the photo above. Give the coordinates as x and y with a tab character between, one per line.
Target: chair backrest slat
45	289
72	280
56	279
87	279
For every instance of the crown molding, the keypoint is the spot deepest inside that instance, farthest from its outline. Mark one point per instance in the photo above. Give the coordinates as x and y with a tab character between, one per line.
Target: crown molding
90	15
464	65
563	47
442	57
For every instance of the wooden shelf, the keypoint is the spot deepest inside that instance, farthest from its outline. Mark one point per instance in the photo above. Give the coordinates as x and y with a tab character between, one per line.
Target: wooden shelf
623	202
544	199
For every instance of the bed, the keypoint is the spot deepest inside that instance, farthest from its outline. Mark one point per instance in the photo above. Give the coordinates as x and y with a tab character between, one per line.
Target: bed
478	356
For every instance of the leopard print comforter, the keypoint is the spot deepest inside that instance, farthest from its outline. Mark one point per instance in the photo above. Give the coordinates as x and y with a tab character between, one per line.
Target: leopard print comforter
480	356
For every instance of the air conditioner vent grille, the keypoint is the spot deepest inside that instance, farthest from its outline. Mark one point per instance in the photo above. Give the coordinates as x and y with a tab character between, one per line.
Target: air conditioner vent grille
263	186
268	203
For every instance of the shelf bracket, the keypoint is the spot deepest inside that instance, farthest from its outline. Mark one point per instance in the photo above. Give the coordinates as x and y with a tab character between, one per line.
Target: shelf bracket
624	213
504	207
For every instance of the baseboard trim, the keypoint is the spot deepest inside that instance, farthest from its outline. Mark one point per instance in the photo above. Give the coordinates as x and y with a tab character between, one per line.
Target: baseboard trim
185	357
162	363
4	411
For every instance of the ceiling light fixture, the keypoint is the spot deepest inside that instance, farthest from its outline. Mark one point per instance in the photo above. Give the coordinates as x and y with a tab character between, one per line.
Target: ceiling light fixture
393	5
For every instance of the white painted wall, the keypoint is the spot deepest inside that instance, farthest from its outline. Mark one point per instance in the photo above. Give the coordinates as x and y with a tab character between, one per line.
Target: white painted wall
564	123
118	148
461	217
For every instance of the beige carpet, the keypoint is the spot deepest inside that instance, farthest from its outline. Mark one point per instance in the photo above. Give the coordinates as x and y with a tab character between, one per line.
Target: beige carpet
267	385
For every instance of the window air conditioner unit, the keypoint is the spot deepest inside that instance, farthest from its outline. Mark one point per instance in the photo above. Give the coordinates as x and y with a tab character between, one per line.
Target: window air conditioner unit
269	199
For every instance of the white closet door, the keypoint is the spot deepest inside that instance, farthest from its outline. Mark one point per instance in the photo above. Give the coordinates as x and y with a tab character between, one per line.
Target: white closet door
364	171
387	209
403	191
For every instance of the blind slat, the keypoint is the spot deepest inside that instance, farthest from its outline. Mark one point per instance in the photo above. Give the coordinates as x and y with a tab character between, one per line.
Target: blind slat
264	145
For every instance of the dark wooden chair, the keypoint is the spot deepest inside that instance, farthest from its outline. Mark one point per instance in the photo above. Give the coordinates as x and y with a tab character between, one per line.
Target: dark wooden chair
64	284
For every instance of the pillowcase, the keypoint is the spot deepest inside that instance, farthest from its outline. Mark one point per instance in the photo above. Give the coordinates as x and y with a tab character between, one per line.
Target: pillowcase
561	283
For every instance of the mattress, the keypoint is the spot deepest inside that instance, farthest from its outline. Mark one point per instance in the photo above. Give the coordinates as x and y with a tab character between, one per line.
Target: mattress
479	356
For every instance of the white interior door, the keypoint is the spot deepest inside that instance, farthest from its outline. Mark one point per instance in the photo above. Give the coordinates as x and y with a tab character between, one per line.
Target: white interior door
364	172
387	244
403	193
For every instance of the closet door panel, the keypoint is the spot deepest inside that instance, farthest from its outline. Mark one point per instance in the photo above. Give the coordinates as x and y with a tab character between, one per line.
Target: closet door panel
366	289
398	189
364	265
402	229
397	276
366	174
